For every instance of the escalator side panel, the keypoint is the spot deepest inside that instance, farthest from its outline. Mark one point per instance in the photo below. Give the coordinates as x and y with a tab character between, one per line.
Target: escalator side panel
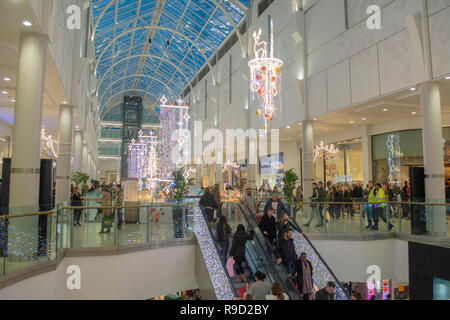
219	279
321	274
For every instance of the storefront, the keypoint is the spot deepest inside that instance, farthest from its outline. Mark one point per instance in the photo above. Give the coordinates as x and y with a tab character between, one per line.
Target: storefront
339	162
395	152
271	170
4	150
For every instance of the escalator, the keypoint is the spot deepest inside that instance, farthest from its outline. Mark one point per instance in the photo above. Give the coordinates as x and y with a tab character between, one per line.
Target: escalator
259	256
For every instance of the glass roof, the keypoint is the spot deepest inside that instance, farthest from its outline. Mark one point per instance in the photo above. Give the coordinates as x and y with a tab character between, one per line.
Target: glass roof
183	33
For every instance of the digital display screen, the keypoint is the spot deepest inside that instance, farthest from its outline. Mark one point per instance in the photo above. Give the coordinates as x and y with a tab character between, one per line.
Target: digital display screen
271	164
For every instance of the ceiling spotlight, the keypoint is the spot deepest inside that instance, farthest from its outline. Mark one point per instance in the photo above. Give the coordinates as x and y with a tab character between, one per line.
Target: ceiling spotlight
27	23
447	78
315	119
412	89
363	119
288	127
352	122
4	92
384	110
6	79
13	100
64	102
414	112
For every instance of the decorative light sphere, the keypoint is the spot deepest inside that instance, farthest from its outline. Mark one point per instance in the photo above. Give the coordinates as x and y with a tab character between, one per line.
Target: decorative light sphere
258	112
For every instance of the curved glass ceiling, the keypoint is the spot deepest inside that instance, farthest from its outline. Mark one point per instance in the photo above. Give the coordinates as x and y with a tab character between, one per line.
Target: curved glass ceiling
183	33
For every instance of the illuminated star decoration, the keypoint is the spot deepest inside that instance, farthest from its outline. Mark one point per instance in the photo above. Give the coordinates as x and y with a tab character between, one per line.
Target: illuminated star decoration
174	117
265	77
48	145
326	151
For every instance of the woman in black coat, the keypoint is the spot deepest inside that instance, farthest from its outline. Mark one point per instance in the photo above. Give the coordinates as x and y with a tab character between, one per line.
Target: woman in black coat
268	226
76	202
306	290
237	251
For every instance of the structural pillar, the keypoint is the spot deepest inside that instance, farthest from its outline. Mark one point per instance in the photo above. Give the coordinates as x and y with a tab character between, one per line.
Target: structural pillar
77	151
366	140
307	160
84	166
63	171
25	163
433	157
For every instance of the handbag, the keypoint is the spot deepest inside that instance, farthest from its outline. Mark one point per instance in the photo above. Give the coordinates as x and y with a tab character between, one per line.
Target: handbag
230	266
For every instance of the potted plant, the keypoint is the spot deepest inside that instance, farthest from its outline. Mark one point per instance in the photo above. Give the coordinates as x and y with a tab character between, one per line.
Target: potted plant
180	183
81	178
290	179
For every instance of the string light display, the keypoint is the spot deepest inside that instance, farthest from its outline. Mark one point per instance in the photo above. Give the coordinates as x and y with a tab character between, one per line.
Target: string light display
325	151
231	166
265	77
48	145
174	118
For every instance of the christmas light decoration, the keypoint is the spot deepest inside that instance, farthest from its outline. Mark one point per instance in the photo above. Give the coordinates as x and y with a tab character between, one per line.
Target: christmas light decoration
265	77
325	151
174	118
231	166
48	145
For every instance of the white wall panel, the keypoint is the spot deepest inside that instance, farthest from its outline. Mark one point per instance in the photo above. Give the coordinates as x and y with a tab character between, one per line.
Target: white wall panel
317	95
436	5
440	42
364	75
338	85
324	21
398	68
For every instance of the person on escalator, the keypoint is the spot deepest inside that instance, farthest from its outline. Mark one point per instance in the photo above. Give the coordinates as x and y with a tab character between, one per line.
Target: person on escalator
276	204
223	235
285	251
268	226
326	293
237	251
260	288
249	201
209	204
304	277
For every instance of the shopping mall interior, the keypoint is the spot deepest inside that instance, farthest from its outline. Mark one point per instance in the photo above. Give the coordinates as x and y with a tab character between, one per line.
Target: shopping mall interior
214	149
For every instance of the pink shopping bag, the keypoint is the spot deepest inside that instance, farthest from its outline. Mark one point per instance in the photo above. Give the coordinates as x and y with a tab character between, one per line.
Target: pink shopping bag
230	264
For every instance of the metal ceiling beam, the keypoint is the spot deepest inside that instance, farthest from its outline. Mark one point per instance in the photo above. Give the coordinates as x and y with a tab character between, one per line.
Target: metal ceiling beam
213	76
125	77
148	56
150	34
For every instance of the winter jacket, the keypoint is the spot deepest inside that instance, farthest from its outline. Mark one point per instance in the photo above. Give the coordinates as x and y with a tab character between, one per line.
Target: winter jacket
208	201
269	225
299	271
280	208
285	249
239	241
322	294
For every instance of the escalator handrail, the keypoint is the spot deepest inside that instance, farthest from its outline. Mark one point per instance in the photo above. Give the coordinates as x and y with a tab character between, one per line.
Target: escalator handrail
246	214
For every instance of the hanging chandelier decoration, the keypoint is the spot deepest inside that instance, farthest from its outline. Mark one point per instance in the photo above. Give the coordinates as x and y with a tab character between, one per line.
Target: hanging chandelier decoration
143	161
48	145
231	166
174	118
328	152
265	77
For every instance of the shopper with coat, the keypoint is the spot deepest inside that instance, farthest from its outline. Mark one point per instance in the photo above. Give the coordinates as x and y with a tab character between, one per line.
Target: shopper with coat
237	251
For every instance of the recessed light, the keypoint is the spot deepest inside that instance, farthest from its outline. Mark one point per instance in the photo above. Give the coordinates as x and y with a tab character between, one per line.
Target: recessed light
64	102
6	79
288	127
315	119
13	100
413	112
447	78
352	122
27	23
363	119
384	110
4	92
412	89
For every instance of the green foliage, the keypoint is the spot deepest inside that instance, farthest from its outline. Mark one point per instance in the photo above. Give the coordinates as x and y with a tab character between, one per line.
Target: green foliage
290	179
181	183
81	178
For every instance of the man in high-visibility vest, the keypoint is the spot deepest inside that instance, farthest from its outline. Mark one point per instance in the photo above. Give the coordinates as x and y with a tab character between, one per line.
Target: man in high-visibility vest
380	199
371	199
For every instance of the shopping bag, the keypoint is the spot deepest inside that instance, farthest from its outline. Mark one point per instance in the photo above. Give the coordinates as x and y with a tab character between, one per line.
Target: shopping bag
230	264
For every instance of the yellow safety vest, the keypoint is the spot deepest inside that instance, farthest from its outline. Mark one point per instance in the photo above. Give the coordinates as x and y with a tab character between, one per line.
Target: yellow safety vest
380	198
371	197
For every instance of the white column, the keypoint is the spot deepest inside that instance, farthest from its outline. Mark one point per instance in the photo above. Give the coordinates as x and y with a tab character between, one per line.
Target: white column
84	166
198	175
433	156
307	159
25	164
366	154
63	171
77	151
